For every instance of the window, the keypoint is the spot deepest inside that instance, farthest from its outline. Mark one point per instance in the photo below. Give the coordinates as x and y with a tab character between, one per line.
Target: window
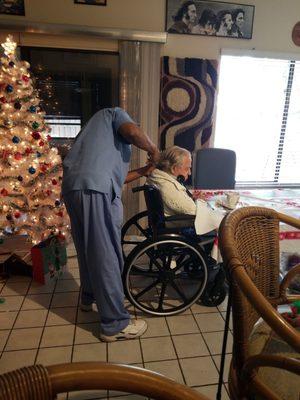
258	116
73	85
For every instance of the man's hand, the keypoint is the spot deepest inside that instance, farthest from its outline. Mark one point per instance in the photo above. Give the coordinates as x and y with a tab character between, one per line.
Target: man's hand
154	156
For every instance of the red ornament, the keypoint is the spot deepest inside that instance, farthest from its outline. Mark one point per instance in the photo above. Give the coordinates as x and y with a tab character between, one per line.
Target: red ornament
25	78
41	143
49	138
28	151
36	135
18	156
60	214
5	154
17	214
4	192
54	182
3	100
43	168
48	192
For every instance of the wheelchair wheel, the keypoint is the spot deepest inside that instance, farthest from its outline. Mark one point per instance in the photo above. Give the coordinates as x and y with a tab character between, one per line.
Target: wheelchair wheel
165	277
130	241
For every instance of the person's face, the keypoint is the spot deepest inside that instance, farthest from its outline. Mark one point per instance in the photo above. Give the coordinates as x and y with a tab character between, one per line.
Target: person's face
184	169
191	14
227	21
209	28
240	20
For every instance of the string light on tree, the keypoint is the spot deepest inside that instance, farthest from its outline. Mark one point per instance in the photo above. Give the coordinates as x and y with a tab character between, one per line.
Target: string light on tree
31	171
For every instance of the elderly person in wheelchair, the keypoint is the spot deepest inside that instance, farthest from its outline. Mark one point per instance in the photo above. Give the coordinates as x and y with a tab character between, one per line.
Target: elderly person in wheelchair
171	268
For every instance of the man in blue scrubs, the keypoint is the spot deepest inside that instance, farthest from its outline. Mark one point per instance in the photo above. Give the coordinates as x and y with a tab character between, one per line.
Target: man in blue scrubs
95	170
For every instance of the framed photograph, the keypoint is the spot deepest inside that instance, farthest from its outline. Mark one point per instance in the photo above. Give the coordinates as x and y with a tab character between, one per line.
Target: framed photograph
91	2
12	7
210	18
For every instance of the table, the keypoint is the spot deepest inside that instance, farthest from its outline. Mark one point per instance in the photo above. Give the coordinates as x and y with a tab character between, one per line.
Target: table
286	201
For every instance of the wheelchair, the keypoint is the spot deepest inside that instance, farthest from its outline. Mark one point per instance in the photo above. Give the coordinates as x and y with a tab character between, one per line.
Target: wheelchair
168	267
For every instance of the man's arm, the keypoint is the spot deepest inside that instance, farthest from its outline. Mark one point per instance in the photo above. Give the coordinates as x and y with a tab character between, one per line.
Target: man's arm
134	135
139	172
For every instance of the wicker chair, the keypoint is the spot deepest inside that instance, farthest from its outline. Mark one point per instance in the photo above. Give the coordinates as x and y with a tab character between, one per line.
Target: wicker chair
265	359
44	383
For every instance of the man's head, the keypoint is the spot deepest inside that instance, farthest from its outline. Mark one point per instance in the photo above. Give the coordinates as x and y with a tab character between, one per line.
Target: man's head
225	20
187	12
238	17
176	161
208	21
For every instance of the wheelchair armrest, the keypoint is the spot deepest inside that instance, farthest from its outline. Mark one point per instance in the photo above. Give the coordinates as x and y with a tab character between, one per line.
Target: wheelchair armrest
180	217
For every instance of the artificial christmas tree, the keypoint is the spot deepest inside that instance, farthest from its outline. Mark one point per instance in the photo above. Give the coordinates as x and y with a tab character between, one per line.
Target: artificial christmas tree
30	170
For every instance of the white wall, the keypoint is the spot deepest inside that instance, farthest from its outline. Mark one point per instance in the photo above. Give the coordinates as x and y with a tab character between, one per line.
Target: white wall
273	23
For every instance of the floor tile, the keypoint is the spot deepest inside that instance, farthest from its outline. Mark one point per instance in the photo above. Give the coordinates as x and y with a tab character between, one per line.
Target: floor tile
54	355
191	345
21	339
3	338
7	319
72	262
90	352
199	308
37	288
19	278
61	316
182	324
84	316
69	299
11	360
125	352
210	322
87	333
170	369
58	336
11	303
199	371
36	301
72	273
15	288
217	360
156	327
223	306
68	285
31	319
214	342
156	349
211	391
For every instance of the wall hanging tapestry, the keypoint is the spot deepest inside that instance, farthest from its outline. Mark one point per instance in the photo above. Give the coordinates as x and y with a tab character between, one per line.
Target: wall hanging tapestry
187	97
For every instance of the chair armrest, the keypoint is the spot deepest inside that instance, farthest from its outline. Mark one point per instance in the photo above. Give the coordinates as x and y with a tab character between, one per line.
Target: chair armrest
265	309
263	360
180	217
285	284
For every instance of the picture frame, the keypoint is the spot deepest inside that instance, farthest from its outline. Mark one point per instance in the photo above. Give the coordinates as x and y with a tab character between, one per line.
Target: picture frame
210	18
91	2
12	7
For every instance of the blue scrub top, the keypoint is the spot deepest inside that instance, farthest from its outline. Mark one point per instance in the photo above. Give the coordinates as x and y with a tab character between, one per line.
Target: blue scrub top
99	158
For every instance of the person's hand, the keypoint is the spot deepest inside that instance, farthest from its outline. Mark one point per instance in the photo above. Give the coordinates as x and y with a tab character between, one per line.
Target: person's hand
153	157
148	169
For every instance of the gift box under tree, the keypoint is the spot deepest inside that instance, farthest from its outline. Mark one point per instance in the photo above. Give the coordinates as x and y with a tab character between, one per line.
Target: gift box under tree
49	259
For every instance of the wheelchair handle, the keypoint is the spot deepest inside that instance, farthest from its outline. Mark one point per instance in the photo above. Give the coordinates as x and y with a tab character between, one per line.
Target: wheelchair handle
138	189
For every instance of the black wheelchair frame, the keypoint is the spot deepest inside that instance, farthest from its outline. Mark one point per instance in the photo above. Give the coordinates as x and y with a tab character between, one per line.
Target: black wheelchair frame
167	270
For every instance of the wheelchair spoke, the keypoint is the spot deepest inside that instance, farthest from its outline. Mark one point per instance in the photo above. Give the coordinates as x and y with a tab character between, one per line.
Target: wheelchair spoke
154	261
161	297
176	288
141	229
188	260
142	292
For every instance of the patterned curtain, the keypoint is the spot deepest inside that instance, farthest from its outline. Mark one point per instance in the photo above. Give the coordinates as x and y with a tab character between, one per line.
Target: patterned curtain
187	98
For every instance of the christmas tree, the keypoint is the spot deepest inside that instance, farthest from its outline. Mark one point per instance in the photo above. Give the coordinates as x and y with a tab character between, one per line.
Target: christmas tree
30	170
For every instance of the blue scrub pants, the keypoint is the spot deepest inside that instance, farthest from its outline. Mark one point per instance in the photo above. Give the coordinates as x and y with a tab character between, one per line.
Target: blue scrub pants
96	220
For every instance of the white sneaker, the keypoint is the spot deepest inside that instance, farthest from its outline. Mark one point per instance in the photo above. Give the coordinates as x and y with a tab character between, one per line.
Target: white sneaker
134	329
88	307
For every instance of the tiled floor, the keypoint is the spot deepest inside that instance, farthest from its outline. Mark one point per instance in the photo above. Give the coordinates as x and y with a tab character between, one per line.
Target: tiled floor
42	324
